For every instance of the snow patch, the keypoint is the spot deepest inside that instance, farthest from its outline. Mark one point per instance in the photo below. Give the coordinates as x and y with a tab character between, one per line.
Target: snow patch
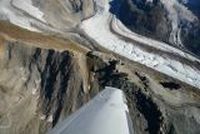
26	6
15	16
50	118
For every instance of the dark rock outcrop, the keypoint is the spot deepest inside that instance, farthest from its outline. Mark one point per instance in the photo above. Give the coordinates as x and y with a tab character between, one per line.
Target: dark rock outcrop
149	114
40	87
51	80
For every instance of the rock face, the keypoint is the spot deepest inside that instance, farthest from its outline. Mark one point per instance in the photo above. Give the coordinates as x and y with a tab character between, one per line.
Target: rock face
40	87
37	85
149	114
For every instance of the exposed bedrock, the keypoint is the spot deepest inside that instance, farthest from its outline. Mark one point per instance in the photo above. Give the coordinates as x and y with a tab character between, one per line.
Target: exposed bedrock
40	87
37	88
149	114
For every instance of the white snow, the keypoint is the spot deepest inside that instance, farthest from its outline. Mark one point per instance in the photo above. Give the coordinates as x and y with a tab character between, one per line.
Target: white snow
50	118
34	91
123	31
43	117
8	12
26	6
107	113
98	28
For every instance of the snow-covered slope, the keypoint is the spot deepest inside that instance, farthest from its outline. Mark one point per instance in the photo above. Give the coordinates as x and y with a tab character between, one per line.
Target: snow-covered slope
7	12
98	28
13	11
27	6
107	113
45	15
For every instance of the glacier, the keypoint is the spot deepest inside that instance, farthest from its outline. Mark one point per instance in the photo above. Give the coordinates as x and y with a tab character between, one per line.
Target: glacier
98	28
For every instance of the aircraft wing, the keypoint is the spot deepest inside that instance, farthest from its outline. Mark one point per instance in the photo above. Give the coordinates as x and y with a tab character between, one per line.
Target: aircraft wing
107	113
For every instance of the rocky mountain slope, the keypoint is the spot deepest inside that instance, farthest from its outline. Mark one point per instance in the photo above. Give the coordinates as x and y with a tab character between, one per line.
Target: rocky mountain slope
41	86
65	56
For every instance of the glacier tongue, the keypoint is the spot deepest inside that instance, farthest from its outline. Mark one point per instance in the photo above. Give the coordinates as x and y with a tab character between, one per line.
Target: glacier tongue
107	113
